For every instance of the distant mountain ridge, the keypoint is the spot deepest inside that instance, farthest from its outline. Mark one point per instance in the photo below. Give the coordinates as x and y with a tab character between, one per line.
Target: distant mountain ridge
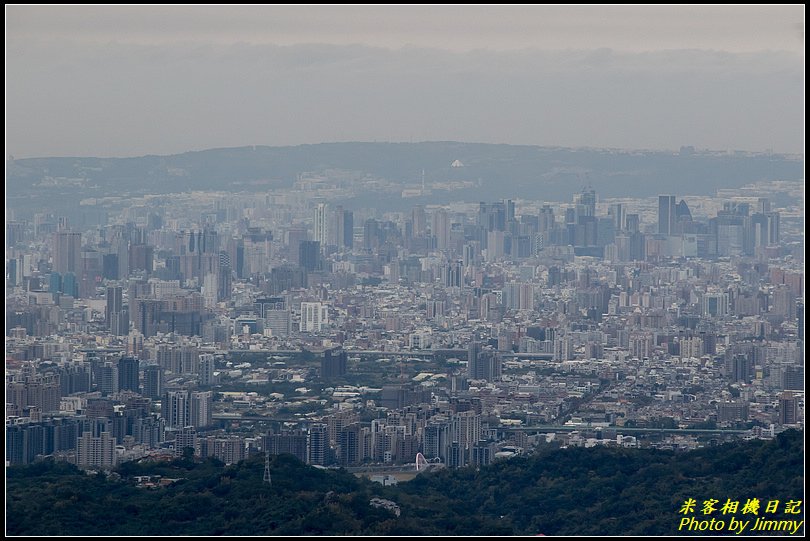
498	170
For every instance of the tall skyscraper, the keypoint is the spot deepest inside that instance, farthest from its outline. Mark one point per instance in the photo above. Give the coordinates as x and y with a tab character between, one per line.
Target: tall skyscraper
546	219
55	284
682	212
67	256
317	444
70	286
225	277
256	251
14	233
465	428
116	316
13	269
333	364
419	220
276	315
185	437
632	223
788	408
509	207
293	238
343	236
440	228
617	213
96	451
293	442
186	408
207	365
176	409
518	296
666	214
348	229
108	378
492	216
741	368
773	228
309	255
586	202
146	314
453	274
115	303
436	439
153	382
314	316
371	234
349	444
482	363
278	322
321	224
128	374
202	407
141	257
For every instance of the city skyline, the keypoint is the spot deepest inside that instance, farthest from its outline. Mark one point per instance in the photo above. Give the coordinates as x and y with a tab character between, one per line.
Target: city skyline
207	325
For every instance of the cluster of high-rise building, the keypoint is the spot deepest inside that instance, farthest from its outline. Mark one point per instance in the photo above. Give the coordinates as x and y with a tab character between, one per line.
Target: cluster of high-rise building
120	338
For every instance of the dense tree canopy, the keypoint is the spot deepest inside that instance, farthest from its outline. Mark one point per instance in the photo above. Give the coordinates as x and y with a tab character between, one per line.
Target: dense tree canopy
597	491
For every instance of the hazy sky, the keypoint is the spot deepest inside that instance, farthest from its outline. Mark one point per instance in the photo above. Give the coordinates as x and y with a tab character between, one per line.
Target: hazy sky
128	81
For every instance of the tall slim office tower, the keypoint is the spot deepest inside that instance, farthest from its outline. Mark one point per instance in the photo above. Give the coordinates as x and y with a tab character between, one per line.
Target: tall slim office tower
14	231
317	444
440	227
788	408
108	378
207	366
666	214
632	223
176	409
509	207
128	374
67	255
201	408
55	284
453	274
320	224
115	303
309	255
419	220
617	213
473	352
483	363
346	240
153	382
773	228
586	202
116	317
342	234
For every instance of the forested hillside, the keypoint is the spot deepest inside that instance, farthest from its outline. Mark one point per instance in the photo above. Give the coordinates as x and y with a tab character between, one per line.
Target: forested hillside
597	491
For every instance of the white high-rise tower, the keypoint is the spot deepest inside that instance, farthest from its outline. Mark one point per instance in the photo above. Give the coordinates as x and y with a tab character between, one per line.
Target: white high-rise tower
320	226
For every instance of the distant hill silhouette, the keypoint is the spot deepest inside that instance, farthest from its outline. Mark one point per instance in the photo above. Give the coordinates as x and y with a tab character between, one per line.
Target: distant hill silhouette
497	170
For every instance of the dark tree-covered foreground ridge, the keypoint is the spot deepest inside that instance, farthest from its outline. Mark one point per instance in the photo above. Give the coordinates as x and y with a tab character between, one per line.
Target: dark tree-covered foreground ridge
597	491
